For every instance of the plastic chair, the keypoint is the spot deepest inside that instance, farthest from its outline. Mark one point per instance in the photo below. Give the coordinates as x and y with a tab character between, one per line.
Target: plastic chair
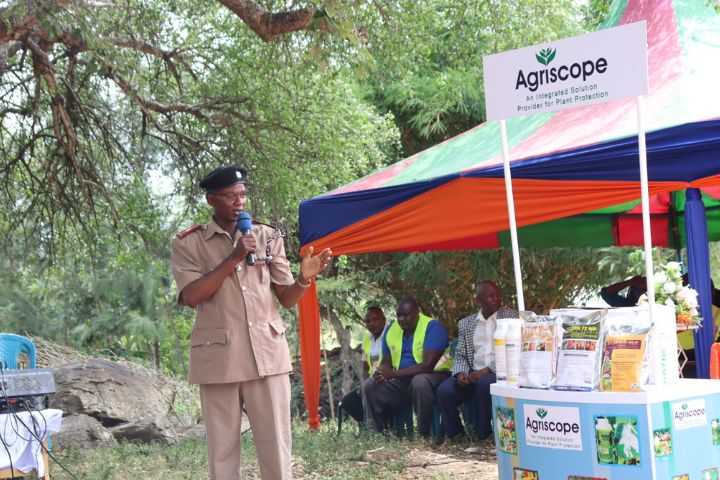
402	421
11	346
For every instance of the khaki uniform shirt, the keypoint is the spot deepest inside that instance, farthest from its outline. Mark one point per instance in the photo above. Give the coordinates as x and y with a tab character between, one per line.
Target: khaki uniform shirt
238	333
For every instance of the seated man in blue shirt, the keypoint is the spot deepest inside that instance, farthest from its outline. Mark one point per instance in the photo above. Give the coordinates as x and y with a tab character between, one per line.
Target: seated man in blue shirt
415	360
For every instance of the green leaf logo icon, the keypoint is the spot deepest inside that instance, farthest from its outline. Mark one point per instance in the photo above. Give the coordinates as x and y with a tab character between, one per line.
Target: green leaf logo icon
545	56
684	406
541	412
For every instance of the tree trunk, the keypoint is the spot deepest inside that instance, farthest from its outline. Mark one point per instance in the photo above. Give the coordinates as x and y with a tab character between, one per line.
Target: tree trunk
156	352
343	337
328	378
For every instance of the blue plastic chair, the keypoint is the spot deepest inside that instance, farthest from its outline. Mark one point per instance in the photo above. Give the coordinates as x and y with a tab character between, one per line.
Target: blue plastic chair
11	346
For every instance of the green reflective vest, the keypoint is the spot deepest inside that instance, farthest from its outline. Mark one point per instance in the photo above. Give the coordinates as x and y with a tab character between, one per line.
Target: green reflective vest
366	344
394	337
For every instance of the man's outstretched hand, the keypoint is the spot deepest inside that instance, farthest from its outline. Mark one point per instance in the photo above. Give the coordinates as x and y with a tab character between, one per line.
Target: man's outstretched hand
311	265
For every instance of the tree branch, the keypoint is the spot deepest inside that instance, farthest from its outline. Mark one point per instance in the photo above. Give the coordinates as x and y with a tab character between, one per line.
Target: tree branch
60	116
270	26
8	50
15	27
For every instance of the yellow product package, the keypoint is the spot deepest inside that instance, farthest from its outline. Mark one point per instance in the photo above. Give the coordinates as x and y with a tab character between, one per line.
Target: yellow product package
625	360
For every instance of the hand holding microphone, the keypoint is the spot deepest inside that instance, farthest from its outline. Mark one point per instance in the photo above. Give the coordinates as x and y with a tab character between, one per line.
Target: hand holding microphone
248	242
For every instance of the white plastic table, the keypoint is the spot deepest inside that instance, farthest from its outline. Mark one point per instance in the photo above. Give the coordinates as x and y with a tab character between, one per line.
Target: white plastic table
25	449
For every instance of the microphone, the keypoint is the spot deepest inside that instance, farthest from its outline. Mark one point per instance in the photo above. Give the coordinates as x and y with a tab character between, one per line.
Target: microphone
245	226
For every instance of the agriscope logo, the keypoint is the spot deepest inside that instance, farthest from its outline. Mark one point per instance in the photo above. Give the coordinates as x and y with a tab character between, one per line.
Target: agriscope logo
553	427
545	56
585	70
685	412
689	414
550	426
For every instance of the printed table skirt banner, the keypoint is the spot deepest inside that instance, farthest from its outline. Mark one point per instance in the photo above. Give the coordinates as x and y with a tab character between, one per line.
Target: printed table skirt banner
669	432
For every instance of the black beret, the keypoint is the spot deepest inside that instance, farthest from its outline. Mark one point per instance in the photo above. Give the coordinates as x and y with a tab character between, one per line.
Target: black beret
223	177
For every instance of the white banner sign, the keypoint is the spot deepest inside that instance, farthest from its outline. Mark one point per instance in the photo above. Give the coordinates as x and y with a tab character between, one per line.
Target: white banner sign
689	414
552	427
592	68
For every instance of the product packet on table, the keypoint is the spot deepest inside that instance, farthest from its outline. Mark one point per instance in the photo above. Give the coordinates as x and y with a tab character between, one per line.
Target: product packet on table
580	352
625	364
538	352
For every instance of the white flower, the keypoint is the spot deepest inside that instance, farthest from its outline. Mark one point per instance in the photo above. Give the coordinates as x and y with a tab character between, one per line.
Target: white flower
669	287
682	294
694	312
669	302
691	302
660	277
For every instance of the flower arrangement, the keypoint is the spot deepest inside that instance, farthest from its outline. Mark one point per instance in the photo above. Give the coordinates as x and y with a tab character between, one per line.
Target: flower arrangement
670	291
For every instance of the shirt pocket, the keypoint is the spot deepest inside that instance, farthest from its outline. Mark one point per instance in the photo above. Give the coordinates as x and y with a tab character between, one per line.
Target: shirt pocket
208	338
277	326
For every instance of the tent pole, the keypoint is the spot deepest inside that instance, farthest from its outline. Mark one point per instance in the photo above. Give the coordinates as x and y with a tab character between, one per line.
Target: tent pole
511	216
645	196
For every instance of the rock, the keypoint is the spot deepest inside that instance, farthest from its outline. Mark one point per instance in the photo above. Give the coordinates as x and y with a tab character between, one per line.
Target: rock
190	431
82	431
111	392
146	430
124	401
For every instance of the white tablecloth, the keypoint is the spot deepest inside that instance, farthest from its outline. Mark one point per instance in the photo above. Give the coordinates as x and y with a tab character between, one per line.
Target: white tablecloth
25	450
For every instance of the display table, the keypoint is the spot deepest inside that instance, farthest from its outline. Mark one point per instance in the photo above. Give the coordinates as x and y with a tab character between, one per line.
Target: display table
663	433
26	452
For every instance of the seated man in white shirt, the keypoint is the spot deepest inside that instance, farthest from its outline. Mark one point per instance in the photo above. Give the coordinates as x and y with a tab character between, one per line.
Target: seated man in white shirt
474	364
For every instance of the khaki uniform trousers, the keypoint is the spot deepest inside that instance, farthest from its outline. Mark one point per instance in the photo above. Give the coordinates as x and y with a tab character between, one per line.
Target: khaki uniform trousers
267	402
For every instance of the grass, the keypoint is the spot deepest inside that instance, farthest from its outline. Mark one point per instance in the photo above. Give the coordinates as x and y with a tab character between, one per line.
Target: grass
316	455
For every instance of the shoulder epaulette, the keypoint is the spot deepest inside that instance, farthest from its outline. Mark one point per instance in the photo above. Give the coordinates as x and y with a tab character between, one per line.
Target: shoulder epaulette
188	231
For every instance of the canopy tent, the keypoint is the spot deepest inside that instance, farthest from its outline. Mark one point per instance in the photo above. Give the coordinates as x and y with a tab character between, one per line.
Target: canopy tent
576	178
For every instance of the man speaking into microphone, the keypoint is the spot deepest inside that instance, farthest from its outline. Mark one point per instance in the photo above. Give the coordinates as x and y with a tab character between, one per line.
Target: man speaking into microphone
238	352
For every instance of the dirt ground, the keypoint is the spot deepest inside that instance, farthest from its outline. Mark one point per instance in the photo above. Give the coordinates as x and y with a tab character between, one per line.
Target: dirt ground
470	463
459	462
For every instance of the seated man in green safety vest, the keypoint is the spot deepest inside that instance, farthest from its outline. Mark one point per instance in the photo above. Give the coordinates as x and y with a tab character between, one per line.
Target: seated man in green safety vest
372	355
415	360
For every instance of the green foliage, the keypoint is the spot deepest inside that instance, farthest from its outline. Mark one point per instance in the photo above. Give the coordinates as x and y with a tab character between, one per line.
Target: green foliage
86	250
428	58
622	262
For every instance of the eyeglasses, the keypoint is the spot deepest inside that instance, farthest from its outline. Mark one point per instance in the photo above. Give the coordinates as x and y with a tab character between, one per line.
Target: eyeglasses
231	196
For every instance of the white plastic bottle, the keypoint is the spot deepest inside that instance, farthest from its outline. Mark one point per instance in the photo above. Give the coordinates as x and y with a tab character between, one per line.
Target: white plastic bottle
513	339
501	330
603	440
